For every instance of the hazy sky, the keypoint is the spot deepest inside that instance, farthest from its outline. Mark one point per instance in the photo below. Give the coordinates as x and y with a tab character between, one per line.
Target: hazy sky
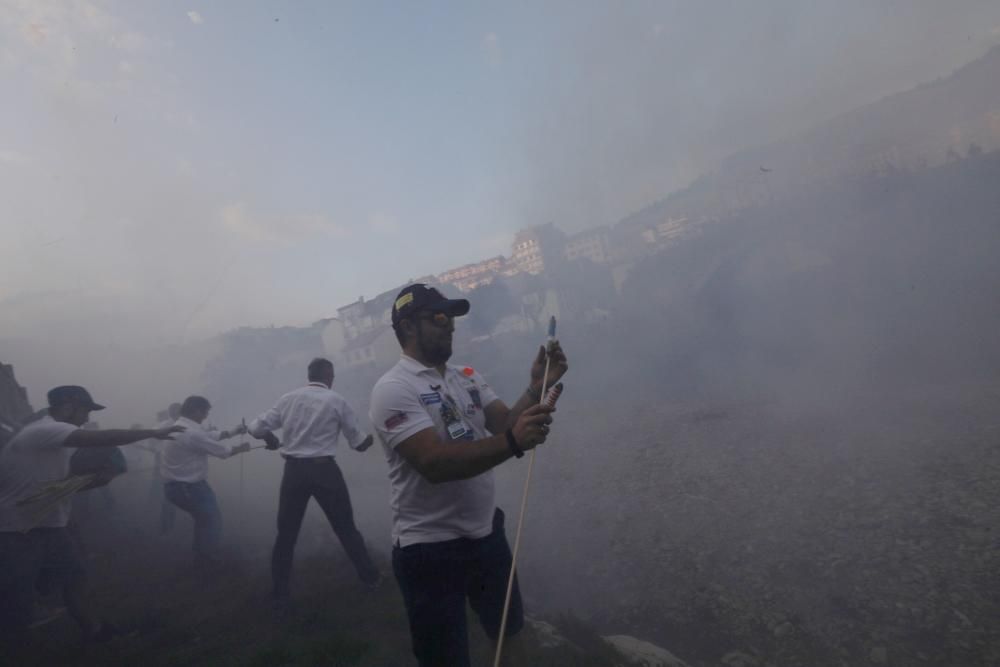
169	171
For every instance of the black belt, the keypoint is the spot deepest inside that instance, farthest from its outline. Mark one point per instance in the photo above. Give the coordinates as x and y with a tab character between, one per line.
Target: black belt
307	459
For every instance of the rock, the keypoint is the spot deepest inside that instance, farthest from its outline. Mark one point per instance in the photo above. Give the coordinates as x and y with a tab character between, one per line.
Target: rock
878	655
643	653
739	659
546	634
783	629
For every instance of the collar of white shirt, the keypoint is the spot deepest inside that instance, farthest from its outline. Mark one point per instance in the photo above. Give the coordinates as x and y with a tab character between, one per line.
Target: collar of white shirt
411	365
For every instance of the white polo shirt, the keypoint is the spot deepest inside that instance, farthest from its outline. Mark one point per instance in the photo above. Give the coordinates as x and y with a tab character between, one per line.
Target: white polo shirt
409	398
185	458
33	458
311	419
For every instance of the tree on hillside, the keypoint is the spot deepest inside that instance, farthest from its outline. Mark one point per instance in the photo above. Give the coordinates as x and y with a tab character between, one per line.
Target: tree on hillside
490	303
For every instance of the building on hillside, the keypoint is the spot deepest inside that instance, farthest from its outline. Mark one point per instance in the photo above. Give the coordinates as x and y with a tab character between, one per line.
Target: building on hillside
363	316
14	405
536	248
376	348
670	231
15	410
471	276
334	336
589	244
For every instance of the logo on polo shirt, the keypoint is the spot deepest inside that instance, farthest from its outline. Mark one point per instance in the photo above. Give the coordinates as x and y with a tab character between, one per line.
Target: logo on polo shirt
395	421
430	398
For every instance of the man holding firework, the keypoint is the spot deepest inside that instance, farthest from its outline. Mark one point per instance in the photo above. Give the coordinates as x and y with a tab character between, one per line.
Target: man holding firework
443	430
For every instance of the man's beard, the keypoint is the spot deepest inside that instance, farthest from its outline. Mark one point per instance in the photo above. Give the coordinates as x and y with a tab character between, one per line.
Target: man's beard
435	352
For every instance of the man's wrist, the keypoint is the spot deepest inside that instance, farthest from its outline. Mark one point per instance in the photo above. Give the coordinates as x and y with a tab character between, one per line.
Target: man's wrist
533	393
512	444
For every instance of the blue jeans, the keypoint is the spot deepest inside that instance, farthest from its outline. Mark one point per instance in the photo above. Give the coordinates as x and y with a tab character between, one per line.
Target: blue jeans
198	500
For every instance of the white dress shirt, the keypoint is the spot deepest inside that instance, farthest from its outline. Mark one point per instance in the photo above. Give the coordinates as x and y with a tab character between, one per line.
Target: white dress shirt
311	420
185	458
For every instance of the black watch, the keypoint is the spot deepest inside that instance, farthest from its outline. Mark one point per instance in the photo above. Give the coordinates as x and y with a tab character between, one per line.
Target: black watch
512	444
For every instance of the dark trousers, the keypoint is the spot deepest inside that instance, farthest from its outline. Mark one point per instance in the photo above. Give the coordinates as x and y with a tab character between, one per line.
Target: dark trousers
41	554
318	478
198	500
436	578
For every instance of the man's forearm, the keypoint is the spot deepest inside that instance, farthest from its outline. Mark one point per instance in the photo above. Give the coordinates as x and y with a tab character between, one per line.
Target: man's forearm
462	461
109	438
528	398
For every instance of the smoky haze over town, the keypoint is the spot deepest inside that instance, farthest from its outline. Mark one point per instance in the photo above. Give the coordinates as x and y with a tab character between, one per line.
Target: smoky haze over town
768	232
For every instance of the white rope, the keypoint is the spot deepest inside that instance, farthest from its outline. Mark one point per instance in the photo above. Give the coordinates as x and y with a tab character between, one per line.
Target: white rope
242	457
242	508
520	524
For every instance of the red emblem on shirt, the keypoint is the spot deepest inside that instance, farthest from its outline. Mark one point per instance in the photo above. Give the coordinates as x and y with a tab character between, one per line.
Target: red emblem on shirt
467	371
395	420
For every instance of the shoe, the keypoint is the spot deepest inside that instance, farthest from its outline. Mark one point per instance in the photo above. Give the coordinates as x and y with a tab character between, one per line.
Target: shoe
281	609
376	584
45	615
106	633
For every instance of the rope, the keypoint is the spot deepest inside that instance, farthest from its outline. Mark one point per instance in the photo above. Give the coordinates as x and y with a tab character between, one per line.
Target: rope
520	524
242	508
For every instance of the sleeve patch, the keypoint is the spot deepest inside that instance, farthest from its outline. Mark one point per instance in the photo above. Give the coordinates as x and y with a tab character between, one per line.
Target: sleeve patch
396	420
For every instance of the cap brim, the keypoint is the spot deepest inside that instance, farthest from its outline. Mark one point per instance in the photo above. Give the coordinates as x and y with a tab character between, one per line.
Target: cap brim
95	406
453	307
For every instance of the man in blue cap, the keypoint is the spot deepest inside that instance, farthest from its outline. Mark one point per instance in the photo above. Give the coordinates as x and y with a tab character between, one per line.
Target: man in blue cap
443	430
32	545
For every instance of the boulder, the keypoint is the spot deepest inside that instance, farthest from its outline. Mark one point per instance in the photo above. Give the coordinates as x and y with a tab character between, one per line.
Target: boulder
640	652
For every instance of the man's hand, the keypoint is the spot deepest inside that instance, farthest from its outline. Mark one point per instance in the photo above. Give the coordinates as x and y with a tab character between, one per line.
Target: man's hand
165	432
237	430
557	366
272	441
365	444
532	426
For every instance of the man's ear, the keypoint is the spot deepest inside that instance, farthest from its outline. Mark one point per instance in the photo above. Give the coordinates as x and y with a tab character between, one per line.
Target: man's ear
408	327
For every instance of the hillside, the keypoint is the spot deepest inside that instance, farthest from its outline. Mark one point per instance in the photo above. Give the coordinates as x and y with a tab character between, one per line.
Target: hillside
785	441
927	125
172	614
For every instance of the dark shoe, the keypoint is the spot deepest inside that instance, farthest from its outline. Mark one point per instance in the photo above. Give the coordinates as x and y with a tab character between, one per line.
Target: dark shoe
45	615
281	609
375	584
106	633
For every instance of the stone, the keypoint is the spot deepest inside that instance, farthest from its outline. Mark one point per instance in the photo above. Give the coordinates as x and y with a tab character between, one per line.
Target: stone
546	634
739	659
643	653
878	655
783	629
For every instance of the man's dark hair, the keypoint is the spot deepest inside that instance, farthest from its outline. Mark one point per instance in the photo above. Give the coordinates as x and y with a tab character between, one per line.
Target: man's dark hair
319	368
398	330
193	404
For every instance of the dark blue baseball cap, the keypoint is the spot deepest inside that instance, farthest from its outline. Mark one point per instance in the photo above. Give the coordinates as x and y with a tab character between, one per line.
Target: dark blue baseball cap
418	296
71	393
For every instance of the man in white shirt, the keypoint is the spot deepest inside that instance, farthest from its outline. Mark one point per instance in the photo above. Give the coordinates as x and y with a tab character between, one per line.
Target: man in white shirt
31	545
311	419
184	466
168	513
443	430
